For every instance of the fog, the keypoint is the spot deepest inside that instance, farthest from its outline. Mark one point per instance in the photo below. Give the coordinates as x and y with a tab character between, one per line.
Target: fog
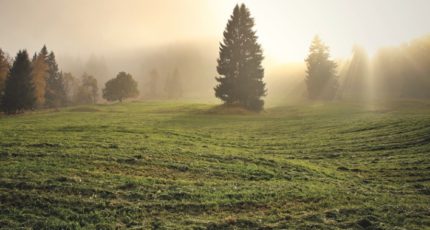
103	37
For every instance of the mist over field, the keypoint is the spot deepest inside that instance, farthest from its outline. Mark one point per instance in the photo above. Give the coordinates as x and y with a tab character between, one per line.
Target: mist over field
201	114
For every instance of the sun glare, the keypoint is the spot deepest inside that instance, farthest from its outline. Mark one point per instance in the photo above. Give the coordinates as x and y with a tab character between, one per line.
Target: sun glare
285	28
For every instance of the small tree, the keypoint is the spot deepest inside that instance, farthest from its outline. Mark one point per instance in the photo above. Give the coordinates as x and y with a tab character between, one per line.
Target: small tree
239	63
120	88
88	90
19	90
71	86
321	79
173	85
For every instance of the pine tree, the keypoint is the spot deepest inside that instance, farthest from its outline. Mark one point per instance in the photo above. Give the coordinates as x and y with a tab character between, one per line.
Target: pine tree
239	63
39	75
4	70
55	94
173	85
321	79
19	90
44	52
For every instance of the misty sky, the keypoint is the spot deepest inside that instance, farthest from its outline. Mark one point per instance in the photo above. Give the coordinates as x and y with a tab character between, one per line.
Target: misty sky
285	27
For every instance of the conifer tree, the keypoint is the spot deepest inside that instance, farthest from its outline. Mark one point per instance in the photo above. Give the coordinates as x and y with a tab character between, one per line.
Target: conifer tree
239	63
321	79
44	52
55	94
19	90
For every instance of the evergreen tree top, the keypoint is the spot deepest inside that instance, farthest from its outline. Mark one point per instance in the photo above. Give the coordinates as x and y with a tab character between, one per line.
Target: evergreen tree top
51	55
44	51
21	61
52	63
319	53
318	46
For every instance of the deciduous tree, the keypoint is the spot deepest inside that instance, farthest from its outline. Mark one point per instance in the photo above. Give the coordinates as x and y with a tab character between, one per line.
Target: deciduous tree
87	91
120	88
71	86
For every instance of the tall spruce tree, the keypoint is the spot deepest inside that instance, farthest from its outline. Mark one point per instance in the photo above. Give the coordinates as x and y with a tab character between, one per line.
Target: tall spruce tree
19	90
239	63
55	94
321	78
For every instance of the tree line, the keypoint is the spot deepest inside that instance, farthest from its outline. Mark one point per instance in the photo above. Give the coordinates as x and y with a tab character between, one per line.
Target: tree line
38	83
395	72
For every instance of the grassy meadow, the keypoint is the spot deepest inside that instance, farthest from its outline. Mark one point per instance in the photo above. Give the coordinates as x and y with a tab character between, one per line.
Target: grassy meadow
169	165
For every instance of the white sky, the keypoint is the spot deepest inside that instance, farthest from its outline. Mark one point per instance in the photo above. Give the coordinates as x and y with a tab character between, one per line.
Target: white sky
285	27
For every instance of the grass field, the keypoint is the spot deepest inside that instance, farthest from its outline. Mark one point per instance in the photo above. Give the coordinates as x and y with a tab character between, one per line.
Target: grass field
166	165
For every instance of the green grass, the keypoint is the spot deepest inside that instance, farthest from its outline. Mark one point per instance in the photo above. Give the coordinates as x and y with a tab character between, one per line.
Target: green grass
184	166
